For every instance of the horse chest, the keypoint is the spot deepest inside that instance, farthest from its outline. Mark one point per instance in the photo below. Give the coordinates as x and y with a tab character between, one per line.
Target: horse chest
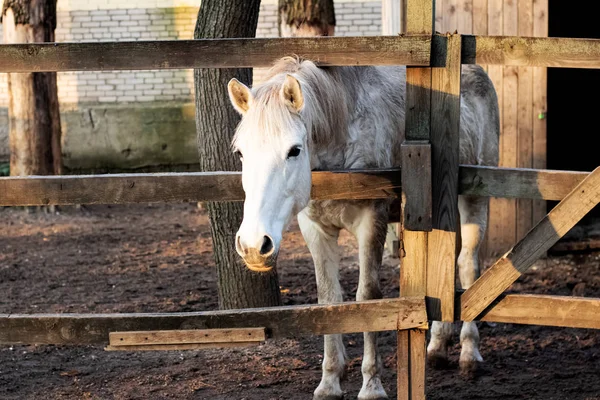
344	214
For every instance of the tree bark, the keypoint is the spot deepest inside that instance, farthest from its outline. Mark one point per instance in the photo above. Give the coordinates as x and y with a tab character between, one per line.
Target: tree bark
215	124
306	18
33	109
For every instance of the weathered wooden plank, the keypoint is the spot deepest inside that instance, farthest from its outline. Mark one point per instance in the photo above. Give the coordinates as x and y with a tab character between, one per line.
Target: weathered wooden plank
524	207
518	182
411	362
451	11
495	23
464	13
186	336
495	17
573	312
348	185
480	17
416	188
403	372
445	121
226	186
213	53
417	18
413	268
439	16
507	269
540	104
524	150
531	51
181	187
418	103
280	322
188	346
507	208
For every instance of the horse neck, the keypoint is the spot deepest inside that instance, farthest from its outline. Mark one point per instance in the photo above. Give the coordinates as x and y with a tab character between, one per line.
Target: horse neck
328	111
364	130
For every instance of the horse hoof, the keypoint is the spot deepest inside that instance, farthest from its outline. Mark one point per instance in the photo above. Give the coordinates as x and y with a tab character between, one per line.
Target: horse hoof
328	397
438	360
468	368
328	393
373	392
375	397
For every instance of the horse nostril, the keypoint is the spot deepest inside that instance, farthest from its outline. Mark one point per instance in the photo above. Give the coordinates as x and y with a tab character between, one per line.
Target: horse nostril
267	245
238	245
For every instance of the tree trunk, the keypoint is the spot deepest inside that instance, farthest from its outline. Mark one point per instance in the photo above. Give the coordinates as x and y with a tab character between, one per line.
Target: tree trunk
33	110
306	18
215	124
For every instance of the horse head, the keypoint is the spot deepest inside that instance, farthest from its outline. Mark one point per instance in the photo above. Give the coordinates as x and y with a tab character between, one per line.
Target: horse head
272	142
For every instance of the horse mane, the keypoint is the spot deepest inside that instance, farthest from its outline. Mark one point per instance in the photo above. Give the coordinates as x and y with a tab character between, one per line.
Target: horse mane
325	112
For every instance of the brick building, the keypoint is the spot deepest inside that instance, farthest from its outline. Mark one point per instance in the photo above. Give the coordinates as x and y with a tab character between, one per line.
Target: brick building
99	108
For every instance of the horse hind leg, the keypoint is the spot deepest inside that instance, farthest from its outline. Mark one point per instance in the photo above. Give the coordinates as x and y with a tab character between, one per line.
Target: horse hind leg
473	223
473	218
370	229
437	349
324	249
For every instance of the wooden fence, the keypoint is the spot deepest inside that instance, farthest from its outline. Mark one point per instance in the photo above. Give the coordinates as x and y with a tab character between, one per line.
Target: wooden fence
428	184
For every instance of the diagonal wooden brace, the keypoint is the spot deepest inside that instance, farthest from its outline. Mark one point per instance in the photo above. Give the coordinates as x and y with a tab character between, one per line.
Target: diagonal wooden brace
515	262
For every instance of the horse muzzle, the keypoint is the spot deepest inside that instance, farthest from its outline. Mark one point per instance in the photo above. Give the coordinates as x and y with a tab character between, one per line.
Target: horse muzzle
260	259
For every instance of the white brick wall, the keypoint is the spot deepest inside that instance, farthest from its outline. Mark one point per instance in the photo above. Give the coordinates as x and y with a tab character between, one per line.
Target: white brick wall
108	20
126	25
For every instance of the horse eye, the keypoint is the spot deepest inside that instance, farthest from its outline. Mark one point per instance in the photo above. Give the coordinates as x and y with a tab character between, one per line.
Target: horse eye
294	152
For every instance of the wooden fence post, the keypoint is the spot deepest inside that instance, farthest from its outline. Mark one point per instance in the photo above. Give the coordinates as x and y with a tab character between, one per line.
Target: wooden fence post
416	202
445	123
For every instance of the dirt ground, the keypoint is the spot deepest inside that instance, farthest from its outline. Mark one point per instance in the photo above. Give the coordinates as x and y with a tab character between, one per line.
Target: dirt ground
150	258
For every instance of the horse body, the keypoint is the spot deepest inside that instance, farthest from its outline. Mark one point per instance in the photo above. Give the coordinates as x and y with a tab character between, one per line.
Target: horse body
304	118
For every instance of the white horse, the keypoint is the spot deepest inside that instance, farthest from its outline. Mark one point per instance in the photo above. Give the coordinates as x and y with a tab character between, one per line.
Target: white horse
304	118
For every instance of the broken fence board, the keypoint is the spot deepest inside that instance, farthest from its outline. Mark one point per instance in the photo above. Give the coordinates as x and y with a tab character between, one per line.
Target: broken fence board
189	336
188	346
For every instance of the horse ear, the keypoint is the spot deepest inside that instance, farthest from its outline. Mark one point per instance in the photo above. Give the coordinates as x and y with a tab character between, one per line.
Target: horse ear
240	95
291	93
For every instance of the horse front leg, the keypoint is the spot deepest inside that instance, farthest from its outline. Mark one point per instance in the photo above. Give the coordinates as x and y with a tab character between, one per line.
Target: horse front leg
473	219
370	229
323	246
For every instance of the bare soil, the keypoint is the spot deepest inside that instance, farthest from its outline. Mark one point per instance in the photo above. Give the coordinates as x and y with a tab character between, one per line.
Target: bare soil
151	258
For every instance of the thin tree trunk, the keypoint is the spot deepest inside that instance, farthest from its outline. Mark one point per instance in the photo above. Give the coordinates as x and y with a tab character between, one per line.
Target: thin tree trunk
215	124
33	109
306	18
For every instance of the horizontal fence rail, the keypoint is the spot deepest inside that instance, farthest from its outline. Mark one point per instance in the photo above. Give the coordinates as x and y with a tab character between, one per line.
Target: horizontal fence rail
531	51
413	50
526	183
531	309
182	187
295	321
280	322
227	186
213	53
